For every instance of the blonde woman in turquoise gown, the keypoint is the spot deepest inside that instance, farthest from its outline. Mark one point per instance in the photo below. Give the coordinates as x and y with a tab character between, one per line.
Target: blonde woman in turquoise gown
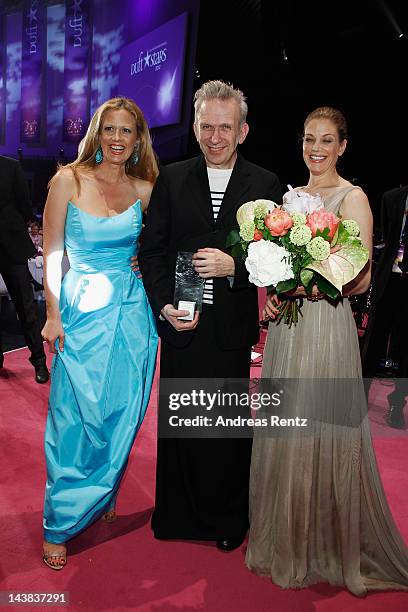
318	511
99	323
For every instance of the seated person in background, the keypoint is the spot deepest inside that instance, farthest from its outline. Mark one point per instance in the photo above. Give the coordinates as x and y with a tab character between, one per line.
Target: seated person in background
35	232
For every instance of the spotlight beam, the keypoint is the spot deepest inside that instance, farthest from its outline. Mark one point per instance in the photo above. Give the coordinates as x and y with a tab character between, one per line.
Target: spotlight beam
389	15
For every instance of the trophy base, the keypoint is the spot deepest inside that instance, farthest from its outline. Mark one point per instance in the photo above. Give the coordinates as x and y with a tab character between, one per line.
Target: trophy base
190	306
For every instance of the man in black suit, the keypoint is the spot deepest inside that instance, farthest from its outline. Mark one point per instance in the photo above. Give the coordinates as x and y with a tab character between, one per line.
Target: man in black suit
16	248
202	484
389	298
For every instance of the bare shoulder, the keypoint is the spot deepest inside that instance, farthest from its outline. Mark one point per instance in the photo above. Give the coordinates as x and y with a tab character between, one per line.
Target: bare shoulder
62	188
355	199
356	206
64	178
143	190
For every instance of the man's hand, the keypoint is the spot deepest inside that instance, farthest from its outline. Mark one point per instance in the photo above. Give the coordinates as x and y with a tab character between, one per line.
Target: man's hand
210	263
170	314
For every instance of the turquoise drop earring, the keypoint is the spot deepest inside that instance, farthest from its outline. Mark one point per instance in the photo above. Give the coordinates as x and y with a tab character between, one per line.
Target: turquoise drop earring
98	155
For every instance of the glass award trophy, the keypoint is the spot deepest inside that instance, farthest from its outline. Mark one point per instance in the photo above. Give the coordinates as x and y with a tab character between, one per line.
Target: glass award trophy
189	286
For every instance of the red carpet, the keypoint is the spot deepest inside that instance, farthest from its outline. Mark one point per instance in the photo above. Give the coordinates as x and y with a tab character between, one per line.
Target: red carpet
121	566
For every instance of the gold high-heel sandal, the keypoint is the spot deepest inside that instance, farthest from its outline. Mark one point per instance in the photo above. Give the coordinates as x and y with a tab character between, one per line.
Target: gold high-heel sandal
47	556
110	516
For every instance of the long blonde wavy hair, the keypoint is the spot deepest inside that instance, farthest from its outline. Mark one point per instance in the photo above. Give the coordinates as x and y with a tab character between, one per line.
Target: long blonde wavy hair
146	168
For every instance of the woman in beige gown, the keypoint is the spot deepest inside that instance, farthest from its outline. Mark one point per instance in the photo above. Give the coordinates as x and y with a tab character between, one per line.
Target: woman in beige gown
318	511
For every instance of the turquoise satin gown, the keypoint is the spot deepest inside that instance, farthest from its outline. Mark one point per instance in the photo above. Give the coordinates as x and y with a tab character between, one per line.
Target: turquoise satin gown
101	382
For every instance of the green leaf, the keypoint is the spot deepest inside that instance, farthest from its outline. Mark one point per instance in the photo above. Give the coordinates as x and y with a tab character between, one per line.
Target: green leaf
233	238
324	234
334	240
237	251
327	288
306	276
285	286
342	235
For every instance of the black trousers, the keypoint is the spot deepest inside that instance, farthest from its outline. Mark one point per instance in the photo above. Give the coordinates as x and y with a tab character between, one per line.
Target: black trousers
18	282
202	483
388	323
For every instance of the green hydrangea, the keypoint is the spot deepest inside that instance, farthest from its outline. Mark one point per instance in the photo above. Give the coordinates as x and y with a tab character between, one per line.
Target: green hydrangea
246	231
318	248
261	210
298	218
300	235
351	227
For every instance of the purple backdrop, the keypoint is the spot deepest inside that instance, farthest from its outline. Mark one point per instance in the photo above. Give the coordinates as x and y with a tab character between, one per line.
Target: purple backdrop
32	96
151	71
2	79
76	68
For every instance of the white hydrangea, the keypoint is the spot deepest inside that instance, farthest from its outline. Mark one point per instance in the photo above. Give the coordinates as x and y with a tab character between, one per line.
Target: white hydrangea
268	263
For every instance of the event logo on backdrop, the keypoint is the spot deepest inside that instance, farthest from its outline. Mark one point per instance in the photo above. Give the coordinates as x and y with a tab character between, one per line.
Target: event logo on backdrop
32	90
151	72
76	70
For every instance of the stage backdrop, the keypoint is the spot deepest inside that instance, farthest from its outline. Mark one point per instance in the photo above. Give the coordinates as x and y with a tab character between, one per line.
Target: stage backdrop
59	61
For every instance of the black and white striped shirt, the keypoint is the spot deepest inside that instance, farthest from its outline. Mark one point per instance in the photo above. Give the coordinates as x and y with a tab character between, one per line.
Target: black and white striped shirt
218	180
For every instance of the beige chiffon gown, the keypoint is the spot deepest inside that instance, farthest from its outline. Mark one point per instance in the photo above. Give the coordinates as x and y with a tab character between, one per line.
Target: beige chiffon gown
318	511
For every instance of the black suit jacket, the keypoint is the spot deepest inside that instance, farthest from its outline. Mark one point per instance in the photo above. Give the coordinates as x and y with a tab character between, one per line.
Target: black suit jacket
180	218
15	210
392	213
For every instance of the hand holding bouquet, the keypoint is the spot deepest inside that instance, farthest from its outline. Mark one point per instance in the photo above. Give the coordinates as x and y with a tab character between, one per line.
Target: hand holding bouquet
298	244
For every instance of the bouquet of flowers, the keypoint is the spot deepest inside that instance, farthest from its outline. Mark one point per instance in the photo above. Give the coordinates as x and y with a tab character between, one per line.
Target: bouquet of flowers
297	244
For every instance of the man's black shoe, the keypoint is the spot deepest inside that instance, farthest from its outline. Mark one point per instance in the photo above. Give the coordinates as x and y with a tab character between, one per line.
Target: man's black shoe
395	417
42	374
229	544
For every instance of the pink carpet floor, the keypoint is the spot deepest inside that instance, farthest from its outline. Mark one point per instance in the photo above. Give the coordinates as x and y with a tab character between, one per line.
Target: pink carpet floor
121	566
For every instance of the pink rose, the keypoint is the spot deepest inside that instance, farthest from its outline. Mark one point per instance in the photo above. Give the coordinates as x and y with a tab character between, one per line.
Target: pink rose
320	219
278	222
258	235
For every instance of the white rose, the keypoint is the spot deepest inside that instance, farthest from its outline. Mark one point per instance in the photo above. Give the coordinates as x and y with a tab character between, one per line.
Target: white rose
268	263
